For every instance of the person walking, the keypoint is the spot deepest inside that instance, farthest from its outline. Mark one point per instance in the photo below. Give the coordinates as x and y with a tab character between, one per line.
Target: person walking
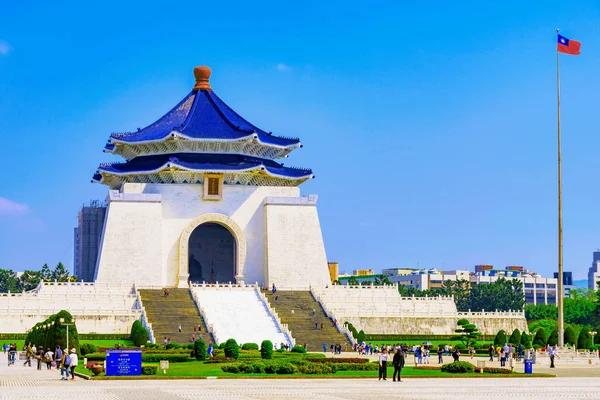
502	358
491	352
383	359
552	353
58	356
440	354
179	327
472	351
39	356
73	363
48	358
398	363
64	366
28	354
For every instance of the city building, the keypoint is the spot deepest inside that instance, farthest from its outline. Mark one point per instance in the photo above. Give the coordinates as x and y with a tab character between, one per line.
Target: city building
88	233
567	282
594	272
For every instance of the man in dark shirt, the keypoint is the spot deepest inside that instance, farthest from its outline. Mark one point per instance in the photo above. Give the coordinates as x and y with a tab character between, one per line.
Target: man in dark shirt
398	363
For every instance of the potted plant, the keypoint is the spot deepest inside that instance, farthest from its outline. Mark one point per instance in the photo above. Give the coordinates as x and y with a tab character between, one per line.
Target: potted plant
95	367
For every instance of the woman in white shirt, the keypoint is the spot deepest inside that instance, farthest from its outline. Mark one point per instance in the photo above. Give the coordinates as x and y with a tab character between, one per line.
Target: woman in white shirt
383	359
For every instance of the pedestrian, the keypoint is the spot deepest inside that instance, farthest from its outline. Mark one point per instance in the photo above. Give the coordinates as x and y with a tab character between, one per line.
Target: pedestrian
313	313
165	342
322	326
39	356
383	359
57	356
491	352
398	362
210	350
440	354
456	354
446	349
74	361
472	351
502	358
274	290
48	358
64	366
179	327
195	327
28	354
292	312
552	353
324	347
317	327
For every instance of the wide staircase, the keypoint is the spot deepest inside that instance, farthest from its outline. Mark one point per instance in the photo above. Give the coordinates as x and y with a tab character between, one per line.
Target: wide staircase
302	322
167	313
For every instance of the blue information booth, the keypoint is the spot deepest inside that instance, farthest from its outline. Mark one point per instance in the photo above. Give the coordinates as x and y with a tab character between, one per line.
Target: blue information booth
123	362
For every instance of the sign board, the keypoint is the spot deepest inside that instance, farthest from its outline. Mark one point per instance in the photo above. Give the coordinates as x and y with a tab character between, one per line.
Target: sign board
123	362
164	365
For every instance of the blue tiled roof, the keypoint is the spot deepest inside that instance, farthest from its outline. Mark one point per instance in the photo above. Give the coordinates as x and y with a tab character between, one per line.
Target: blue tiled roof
203	115
201	162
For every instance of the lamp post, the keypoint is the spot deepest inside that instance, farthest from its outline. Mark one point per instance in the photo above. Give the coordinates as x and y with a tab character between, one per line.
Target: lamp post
63	323
592	334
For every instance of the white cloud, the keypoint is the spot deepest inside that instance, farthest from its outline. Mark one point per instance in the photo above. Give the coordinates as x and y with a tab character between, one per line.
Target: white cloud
283	67
8	207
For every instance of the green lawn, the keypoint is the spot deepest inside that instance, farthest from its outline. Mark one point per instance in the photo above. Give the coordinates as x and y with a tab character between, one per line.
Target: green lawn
108	344
435	342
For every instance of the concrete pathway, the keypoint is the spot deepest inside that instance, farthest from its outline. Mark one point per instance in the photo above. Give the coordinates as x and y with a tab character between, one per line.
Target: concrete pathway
18	372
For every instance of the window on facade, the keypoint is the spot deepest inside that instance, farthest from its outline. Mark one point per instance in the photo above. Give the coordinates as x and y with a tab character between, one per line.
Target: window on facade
213	186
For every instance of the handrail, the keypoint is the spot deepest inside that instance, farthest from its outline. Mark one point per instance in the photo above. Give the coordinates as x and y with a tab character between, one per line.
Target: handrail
209	327
144	317
339	326
282	327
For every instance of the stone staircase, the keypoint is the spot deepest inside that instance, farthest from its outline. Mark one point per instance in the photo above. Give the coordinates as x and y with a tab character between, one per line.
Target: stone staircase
302	322
167	313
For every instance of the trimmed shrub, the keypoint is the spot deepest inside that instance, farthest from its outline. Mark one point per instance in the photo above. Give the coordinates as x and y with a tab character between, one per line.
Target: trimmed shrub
360	337
148	369
249	346
233	368
285	368
55	333
173	345
266	350
374	366
169	357
88	348
553	339
338	360
219	360
190	346
298	349
139	334
540	338
222	346
281	351
500	338
458	367
492	370
584	342
570	336
232	349
313	369
515	338
526	341
200	350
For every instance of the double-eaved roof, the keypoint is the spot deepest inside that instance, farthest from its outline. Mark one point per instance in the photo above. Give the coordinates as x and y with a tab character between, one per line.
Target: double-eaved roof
200	134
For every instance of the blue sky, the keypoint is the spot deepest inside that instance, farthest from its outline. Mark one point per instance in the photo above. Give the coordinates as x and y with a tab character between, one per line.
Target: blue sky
431	127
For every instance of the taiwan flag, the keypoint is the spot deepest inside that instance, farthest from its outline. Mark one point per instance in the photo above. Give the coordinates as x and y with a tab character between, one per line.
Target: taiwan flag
568	46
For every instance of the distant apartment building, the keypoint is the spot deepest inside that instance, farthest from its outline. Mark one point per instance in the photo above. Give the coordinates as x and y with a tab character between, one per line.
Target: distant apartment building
594	272
87	236
424	279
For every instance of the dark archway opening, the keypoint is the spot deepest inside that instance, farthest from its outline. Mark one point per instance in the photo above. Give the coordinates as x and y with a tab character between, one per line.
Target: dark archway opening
211	254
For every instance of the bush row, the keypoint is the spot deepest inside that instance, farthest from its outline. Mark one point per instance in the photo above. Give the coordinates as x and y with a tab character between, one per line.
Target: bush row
148	369
458	367
103	336
493	370
428	338
338	360
219	360
295	367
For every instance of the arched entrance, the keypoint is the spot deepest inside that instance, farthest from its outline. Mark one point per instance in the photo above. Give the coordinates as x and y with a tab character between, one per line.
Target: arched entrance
211	254
239	246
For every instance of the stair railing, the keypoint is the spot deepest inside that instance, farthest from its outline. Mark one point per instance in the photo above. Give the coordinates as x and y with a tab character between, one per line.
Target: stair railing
281	326
341	328
144	317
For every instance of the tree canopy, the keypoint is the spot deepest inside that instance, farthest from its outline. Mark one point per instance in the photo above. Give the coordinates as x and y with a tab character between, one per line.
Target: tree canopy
467	332
29	279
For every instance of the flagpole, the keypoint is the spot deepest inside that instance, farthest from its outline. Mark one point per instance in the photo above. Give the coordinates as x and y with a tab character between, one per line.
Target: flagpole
560	291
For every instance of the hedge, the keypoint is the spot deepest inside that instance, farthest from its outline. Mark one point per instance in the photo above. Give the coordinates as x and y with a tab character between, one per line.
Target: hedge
300	367
55	333
139	334
103	336
249	346
219	360
266	349
88	348
148	369
13	336
200	350
338	360
425	338
492	370
231	349
298	349
458	367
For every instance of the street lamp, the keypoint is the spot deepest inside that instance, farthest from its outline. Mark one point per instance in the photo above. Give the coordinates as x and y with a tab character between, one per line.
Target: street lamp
592	334
62	322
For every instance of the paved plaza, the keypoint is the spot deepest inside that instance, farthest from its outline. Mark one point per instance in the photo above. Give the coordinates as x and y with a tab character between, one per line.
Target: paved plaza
18	382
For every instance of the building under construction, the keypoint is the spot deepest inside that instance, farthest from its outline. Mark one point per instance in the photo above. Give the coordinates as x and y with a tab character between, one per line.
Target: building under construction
88	234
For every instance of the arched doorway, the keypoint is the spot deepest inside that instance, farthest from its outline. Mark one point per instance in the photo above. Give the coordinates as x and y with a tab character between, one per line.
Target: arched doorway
212	251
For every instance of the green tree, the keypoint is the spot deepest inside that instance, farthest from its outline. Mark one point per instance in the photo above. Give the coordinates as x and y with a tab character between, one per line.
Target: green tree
460	289
515	337
553	338
382	280
525	341
139	334
500	338
581	308
540	339
30	279
9	281
200	350
501	295
540	311
584	342
570	336
232	349
46	272
266	349
467	332
360	337
60	273
353	281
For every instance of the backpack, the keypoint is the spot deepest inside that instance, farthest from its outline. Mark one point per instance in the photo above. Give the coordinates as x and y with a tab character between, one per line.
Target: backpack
68	360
